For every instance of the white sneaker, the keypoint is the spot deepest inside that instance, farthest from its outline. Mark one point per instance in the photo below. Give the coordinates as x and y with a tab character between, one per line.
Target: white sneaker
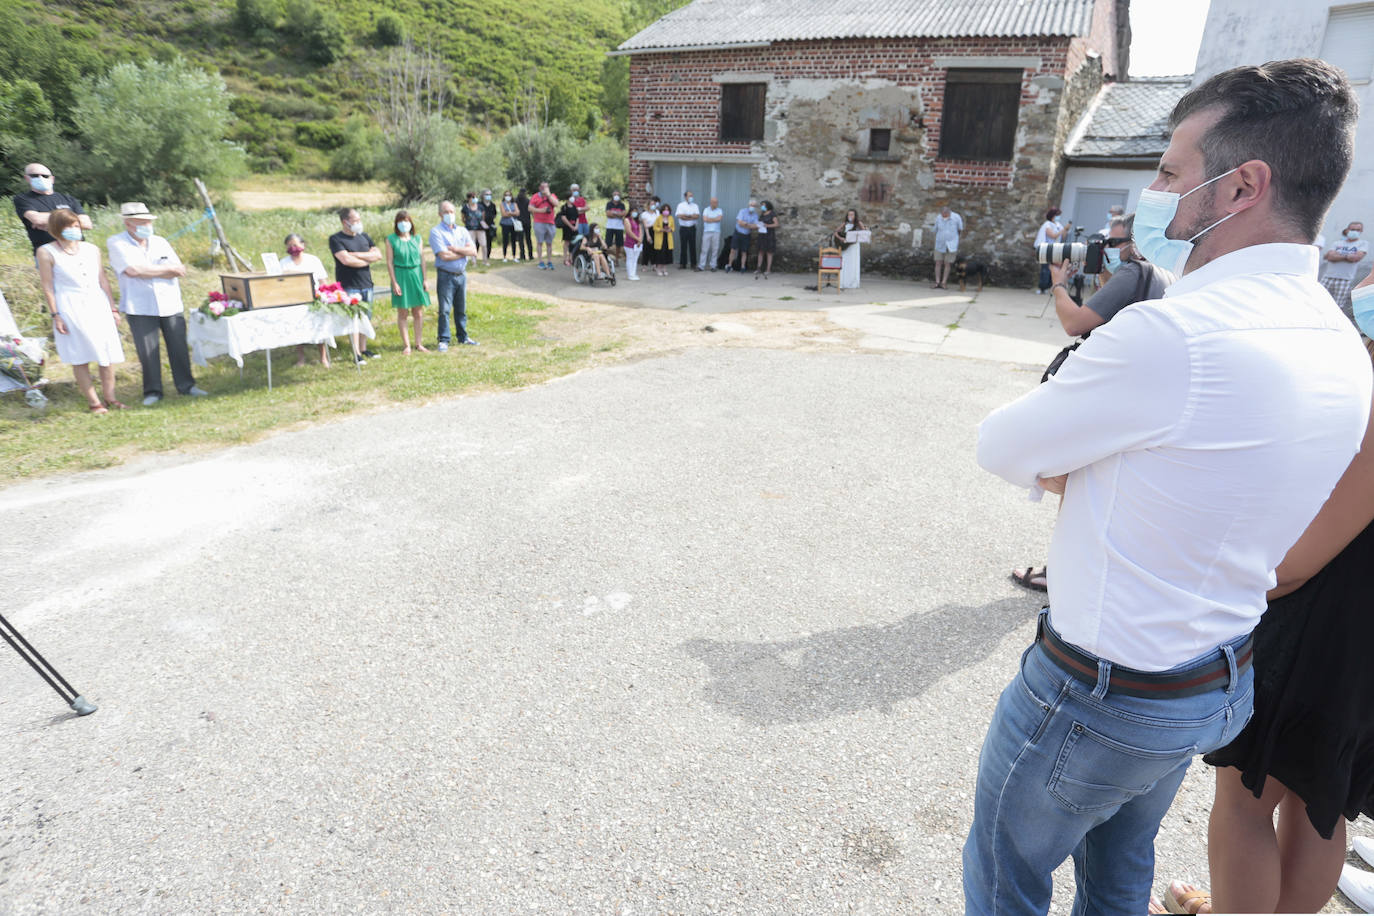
198	392
151	399
1358	885
1364	848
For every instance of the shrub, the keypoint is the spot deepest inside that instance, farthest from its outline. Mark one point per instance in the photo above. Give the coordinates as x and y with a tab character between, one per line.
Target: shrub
316	29
390	30
534	154
151	127
253	16
320	134
357	156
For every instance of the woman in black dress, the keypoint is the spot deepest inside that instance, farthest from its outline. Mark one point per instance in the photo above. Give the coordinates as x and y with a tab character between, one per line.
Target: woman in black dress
1309	749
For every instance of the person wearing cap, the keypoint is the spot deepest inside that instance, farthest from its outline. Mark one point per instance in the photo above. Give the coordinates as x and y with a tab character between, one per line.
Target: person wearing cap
150	275
35	205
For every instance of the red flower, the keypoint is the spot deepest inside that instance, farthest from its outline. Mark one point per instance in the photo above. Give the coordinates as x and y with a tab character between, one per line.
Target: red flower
217	296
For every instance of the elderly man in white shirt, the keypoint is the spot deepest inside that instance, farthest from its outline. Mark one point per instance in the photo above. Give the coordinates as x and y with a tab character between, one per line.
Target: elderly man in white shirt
687	214
150	295
1194	438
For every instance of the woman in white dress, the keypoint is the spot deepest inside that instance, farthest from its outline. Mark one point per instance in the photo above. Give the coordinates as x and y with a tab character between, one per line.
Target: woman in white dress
849	251
299	261
83	312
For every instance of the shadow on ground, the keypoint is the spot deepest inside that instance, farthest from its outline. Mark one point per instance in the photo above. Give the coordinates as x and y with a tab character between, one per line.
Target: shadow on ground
854	668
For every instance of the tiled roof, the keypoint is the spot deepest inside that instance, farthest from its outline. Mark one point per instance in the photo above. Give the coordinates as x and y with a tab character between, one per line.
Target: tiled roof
719	22
1128	120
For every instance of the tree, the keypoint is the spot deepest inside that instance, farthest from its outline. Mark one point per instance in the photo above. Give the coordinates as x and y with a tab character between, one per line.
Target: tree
317	29
150	128
408	101
362	150
390	30
256	15
534	154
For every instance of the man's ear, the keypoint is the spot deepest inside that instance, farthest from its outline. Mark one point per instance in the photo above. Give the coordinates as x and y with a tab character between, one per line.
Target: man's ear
1249	184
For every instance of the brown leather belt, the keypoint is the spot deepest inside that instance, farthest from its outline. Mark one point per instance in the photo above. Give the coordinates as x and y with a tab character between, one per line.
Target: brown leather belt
1205	676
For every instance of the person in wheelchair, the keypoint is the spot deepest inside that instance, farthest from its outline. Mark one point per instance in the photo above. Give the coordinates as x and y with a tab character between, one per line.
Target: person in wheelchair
595	246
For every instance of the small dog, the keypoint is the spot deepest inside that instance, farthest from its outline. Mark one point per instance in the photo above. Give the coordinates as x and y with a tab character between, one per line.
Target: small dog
964	270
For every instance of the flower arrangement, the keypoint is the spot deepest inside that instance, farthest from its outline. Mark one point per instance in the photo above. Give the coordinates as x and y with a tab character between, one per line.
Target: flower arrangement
217	306
330	297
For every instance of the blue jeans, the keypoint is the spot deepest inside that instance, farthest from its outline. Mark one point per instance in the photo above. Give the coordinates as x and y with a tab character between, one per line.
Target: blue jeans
1045	278
452	290
363	294
1073	770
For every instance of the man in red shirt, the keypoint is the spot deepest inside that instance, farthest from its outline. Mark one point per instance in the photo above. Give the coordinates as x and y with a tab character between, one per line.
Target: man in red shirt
543	206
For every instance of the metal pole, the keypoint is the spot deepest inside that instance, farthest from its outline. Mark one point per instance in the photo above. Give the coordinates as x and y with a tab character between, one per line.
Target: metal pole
79	704
269	368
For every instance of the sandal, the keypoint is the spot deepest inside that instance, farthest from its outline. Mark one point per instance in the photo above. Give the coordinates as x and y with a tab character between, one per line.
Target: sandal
97	408
1177	899
116	405
1031	578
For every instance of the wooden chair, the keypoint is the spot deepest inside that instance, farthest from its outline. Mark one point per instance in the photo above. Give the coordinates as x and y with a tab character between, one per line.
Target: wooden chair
830	262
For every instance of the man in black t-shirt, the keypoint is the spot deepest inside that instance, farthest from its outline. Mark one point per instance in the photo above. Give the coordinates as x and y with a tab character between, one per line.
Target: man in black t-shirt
34	205
354	254
567	221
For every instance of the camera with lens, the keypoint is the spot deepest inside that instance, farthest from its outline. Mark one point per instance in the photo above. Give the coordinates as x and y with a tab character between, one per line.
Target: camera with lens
1088	254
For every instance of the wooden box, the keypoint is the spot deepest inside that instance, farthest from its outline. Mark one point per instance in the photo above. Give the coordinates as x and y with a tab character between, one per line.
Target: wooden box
265	291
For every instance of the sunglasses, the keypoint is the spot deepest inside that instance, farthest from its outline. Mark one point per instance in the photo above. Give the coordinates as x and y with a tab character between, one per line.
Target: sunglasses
1116	243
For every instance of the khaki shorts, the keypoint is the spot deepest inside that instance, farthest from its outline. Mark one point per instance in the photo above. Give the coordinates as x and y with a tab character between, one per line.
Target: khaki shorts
945	256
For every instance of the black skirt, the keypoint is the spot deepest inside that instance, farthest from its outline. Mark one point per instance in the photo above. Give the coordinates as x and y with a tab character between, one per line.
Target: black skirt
1313	727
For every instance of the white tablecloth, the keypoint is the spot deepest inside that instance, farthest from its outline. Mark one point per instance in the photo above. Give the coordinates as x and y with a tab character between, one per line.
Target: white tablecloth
264	329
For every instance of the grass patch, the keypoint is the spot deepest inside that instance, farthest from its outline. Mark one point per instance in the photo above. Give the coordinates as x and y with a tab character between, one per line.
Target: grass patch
66	437
786	298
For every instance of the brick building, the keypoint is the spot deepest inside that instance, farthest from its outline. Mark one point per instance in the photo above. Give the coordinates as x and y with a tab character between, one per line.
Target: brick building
889	106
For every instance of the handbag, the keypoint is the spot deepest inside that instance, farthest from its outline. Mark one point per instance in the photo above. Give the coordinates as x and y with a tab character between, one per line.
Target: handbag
1147	273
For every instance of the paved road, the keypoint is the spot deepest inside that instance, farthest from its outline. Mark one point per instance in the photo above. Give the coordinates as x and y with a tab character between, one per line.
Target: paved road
711	633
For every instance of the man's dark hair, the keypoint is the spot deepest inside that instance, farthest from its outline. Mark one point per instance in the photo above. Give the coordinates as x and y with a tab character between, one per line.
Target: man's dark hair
344	211
1296	115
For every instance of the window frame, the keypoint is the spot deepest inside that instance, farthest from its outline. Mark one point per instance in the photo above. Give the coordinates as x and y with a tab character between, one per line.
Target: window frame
738	112
976	142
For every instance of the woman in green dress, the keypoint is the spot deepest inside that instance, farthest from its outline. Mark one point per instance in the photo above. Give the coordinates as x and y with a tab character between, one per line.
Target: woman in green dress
406	265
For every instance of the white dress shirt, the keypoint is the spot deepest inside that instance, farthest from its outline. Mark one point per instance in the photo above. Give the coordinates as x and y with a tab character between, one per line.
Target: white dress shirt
309	265
141	295
947	229
1201	433
687	214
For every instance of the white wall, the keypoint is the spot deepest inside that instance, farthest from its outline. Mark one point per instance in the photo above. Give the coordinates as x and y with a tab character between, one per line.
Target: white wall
1240	32
1132	181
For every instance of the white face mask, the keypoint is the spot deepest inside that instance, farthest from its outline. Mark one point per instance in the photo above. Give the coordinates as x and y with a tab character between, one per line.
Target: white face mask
615	197
1153	214
450	219
507	198
356	227
1353	235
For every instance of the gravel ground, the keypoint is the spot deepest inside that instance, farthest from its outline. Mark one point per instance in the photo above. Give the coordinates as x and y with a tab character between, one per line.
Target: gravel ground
717	632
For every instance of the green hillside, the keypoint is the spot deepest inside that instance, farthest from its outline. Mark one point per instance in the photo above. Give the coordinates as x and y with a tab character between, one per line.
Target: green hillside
299	68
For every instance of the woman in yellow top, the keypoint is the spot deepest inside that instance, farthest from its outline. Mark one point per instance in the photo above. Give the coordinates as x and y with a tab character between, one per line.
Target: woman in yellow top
665	229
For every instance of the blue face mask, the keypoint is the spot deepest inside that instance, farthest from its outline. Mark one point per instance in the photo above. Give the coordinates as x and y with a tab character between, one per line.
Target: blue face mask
403	227
1153	214
41	185
1362	304
143	231
1113	257
71	234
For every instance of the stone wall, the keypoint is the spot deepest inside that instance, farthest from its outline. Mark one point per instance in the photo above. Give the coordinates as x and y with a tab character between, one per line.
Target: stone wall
822	99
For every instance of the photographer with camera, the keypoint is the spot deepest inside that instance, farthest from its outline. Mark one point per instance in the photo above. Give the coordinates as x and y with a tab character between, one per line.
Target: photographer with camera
1128	278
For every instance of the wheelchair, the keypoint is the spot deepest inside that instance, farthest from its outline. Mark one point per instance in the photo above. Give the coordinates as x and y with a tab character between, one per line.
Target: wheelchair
584	267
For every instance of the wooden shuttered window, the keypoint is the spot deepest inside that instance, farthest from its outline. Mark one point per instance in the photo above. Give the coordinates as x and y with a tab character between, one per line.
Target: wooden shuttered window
980	112
741	111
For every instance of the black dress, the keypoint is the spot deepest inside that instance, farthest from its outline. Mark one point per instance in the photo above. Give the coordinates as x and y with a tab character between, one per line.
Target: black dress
1313	728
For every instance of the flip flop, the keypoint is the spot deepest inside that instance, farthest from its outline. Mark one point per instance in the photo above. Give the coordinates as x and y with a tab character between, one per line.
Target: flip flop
1027	579
1187	903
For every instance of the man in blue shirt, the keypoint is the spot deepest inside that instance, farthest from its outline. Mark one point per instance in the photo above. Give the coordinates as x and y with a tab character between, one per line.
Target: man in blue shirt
452	246
746	222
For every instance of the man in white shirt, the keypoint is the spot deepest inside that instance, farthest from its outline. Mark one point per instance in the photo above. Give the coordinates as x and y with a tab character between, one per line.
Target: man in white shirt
1194	437
150	295
948	225
687	215
710	235
1341	263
